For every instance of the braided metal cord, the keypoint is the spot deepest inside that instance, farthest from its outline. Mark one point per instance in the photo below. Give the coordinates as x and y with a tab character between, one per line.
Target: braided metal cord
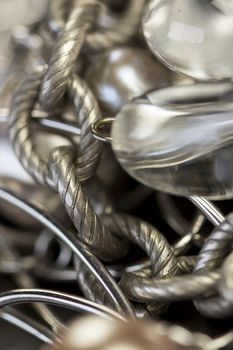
186	264
160	253
140	288
149	239
20	130
94	291
90	228
90	286
226	286
87	112
66	180
164	262
21	136
121	33
221	306
126	26
137	287
212	255
216	247
66	51
57	14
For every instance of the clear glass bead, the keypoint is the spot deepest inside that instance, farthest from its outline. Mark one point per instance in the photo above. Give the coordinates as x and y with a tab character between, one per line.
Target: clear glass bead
193	37
179	146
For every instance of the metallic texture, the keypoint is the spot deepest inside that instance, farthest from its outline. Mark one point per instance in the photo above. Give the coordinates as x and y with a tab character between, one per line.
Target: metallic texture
163	260
119	260
90	229
149	289
119	33
87	112
214	251
22	138
72	302
148	238
24	280
216	247
66	51
126	26
21	133
79	250
57	14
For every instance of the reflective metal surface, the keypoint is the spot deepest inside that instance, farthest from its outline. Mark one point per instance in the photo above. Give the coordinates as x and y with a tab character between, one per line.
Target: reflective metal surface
123	73
78	234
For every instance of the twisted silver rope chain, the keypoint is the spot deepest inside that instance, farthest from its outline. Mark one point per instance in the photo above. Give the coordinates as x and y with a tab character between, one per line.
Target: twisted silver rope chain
167	275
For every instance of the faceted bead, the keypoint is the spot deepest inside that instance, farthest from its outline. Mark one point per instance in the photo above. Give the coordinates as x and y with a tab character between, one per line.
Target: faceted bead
121	74
171	140
193	37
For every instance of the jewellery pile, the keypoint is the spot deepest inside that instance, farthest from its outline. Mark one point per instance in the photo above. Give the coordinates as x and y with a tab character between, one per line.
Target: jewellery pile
116	180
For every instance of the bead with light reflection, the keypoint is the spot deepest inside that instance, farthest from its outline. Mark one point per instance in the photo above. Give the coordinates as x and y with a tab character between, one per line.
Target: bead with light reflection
193	37
121	74
171	143
93	333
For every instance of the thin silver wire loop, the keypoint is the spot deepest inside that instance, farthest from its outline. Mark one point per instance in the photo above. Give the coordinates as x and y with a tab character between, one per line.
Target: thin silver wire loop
79	250
42	247
25	323
72	302
212	213
25	280
146	288
171	214
96	130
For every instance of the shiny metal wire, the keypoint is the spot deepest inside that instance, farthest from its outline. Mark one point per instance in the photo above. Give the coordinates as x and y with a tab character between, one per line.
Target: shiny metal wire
78	249
126	26
65	54
123	28
98	240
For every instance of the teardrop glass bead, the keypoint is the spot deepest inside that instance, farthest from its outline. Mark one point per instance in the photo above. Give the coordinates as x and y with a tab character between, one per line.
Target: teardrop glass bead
181	145
193	37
